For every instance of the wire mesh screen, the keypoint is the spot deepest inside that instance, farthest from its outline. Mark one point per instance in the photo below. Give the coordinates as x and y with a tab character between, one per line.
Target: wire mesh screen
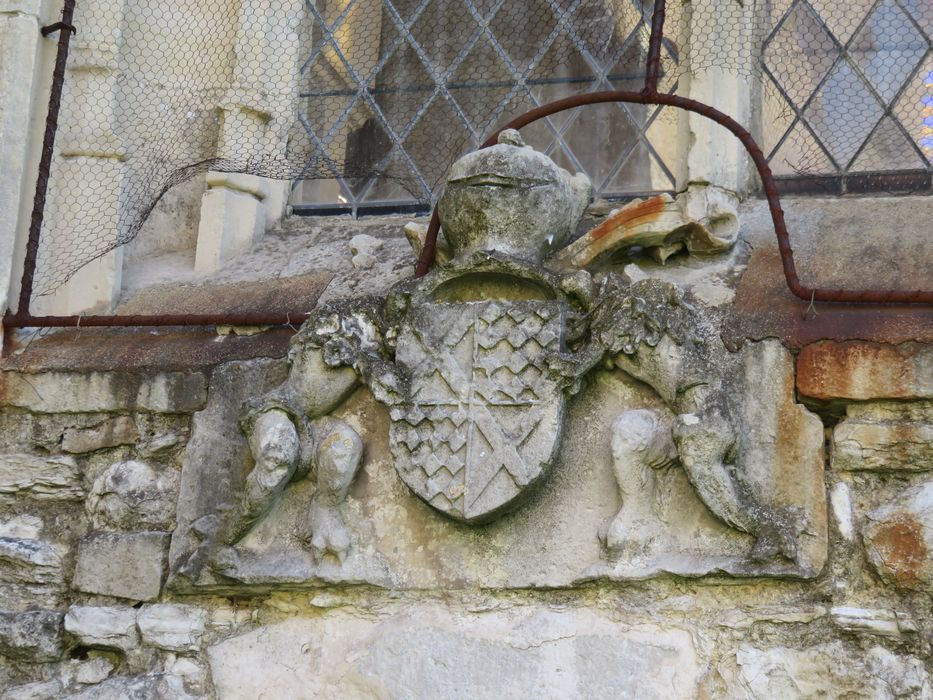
369	101
849	89
399	88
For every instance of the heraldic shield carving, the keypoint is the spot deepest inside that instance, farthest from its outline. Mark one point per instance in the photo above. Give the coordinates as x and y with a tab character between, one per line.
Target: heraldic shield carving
475	363
482	419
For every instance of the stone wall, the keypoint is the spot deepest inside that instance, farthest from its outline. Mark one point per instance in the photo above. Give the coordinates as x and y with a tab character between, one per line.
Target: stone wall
113	446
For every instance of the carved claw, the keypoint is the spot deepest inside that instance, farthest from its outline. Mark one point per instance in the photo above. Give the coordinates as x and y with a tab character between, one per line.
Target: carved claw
328	532
704	443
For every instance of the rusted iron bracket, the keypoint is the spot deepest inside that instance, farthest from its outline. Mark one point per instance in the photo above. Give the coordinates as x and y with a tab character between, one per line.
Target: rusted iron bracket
52	28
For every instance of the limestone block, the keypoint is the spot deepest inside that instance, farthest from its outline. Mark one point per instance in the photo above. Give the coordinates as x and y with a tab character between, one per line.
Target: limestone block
113	432
93	392
233	218
172	627
93	671
860	371
29	561
99	626
34	636
825	670
134	496
885	437
150	685
432	652
128	565
41	690
44	478
24	527
884	623
898	538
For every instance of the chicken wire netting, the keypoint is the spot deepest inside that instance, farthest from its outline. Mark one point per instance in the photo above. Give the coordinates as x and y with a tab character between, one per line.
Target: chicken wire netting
363	102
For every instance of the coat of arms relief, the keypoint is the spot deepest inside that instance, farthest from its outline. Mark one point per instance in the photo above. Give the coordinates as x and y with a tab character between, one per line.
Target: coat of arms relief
482	367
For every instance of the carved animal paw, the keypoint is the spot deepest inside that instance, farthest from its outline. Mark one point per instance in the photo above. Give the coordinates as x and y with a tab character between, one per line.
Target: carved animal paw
328	532
623	537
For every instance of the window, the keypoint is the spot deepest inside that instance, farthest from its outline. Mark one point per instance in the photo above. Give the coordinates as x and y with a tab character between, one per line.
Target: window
395	90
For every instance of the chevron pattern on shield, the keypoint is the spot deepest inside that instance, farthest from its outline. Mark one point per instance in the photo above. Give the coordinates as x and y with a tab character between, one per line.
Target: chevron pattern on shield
483	417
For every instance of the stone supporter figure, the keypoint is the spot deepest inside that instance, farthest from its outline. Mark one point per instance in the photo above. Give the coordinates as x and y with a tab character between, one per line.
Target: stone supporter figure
290	436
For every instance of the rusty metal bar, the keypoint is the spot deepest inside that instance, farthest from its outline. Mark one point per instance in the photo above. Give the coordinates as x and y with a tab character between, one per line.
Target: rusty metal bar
653	63
242	319
65	29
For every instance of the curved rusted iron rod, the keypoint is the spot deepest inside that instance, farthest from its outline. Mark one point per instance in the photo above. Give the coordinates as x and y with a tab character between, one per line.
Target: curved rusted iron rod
647	97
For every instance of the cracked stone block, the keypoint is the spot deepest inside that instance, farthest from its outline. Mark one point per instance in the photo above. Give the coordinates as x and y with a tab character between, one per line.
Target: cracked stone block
427	651
172	627
29	561
113	432
825	670
133	495
34	636
150	685
100	626
130	565
885	437
41	478
898	539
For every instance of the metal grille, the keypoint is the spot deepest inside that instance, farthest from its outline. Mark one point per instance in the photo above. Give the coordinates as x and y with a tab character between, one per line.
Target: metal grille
385	77
849	92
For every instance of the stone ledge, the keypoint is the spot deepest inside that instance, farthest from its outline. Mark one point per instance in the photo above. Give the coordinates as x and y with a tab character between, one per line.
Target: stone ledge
102	392
125	349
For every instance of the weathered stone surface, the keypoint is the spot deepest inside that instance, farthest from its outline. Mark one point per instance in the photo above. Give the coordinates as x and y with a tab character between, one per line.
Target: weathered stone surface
859	371
92	392
885	437
22	527
825	670
666	521
128	565
885	623
432	652
172	627
526	206
841	500
364	249
34	636
99	626
146	687
46	478
397	542
113	432
29	561
898	538
134	496
92	671
41	690
481	419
